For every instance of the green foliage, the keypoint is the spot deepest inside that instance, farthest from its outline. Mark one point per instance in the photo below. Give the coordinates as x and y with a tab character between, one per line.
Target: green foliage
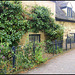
12	23
26	57
6	54
50	47
39	51
42	20
59	50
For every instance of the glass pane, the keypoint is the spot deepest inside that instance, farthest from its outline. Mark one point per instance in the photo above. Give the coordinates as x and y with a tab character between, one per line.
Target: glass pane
38	38
70	12
31	38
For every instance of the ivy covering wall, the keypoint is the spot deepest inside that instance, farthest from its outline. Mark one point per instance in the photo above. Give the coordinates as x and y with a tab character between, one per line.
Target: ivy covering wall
13	23
42	20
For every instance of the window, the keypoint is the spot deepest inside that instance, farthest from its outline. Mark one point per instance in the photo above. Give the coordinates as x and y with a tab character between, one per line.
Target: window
69	12
34	38
72	36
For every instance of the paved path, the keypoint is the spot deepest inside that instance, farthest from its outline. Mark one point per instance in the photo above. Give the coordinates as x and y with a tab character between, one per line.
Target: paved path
62	64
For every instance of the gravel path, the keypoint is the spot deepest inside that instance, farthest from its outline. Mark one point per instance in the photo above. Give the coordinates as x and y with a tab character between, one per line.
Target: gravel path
62	64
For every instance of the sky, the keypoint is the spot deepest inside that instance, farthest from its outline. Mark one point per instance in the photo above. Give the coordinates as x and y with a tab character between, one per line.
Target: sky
73	4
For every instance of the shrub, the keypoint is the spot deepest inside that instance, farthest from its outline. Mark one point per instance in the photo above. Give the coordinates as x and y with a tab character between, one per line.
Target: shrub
6	54
59	50
26	58
50	47
39	51
12	23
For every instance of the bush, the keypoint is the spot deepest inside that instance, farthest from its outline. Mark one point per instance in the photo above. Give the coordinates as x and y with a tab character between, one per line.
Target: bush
59	50
39	51
51	47
26	58
12	23
6	54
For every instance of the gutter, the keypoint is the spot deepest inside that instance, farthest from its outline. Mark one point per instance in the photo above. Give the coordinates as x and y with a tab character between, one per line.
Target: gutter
65	20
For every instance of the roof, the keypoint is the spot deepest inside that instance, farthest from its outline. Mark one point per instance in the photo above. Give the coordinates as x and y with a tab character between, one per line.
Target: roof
60	14
63	5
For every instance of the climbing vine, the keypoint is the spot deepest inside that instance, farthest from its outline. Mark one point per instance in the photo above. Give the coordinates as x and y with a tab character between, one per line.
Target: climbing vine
13	22
42	20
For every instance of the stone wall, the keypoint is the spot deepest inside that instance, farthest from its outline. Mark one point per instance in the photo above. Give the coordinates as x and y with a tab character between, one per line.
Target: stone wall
48	4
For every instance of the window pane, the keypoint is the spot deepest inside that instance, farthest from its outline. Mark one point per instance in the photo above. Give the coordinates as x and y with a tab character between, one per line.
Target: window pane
34	38
38	38
31	38
69	12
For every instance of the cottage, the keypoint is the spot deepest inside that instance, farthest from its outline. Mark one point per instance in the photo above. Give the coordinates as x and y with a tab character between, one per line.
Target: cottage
66	17
63	15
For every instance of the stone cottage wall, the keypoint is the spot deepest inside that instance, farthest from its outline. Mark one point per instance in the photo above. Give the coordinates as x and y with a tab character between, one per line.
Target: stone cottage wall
25	38
48	4
69	27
